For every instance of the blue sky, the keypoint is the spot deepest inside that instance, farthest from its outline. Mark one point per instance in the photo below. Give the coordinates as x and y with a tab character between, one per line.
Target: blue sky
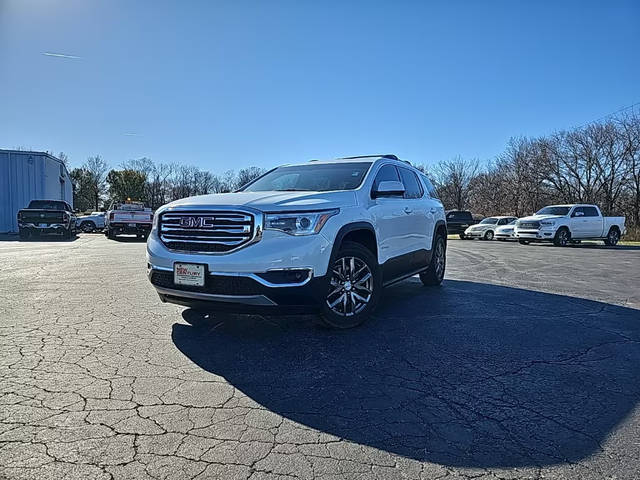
228	84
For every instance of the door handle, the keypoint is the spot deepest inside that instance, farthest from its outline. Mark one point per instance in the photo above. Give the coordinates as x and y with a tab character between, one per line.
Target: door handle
407	210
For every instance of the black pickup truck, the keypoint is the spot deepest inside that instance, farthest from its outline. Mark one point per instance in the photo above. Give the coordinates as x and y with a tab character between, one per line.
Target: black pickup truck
458	221
47	216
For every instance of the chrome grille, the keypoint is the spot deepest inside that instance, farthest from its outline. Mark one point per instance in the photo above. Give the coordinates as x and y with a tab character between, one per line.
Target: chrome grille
529	224
210	231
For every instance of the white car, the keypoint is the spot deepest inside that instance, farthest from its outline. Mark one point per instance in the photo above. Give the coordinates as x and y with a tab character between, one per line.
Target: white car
91	223
486	229
506	232
563	224
321	236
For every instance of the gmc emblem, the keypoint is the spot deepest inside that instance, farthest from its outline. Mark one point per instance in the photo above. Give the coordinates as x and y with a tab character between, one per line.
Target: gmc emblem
197	222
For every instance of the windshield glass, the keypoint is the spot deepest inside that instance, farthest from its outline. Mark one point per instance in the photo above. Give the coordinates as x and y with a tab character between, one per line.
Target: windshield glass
490	220
554	211
47	205
315	178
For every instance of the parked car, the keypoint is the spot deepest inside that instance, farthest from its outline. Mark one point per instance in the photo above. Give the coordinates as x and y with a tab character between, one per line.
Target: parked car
45	217
563	224
458	221
91	223
128	218
322	236
506	232
486	228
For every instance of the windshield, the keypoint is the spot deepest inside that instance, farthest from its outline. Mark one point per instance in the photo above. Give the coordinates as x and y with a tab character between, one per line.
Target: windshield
554	211
490	220
47	205
315	178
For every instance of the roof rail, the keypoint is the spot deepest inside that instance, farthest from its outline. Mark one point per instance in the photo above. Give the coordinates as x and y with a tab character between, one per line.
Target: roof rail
386	155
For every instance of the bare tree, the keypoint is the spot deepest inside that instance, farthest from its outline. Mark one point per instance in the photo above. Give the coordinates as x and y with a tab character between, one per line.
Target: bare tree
96	169
454	180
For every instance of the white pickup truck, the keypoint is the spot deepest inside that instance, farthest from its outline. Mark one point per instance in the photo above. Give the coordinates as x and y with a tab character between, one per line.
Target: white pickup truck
563	224
128	218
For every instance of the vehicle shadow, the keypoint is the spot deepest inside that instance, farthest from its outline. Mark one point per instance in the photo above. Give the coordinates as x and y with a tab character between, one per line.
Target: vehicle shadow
587	246
129	239
469	374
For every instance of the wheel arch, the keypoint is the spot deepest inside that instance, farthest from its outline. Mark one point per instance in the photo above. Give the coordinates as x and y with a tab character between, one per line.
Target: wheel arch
358	232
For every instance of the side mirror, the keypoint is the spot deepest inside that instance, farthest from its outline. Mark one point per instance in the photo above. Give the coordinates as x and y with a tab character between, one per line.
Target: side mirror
577	214
388	188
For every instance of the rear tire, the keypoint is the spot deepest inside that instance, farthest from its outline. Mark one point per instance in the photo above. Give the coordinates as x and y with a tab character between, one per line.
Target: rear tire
354	287
523	242
613	237
562	237
88	226
24	234
462	237
111	235
435	273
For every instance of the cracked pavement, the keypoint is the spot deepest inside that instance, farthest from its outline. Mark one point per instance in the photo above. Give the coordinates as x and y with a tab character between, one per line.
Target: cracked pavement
524	364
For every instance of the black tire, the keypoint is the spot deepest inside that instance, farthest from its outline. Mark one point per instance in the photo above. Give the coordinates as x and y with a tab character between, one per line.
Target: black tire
110	235
88	226
488	235
434	275
340	309
462	237
23	234
524	242
67	234
613	237
562	237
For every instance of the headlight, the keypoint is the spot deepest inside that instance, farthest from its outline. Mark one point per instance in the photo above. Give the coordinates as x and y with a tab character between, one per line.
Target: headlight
299	223
154	222
548	223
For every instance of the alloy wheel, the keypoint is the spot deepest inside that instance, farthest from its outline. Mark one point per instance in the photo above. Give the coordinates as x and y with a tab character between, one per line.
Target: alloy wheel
350	287
613	237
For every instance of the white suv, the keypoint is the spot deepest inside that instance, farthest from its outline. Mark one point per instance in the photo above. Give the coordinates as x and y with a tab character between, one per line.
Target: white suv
320	236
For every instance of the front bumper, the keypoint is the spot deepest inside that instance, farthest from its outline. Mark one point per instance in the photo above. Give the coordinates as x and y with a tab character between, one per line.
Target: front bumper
474	233
242	293
542	235
233	280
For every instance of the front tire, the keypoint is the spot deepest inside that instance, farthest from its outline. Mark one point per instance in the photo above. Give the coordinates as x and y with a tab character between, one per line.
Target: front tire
435	273
562	237
523	242
354	287
613	237
462	237
488	235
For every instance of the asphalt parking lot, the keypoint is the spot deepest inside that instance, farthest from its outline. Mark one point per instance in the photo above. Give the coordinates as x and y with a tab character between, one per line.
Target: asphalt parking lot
524	364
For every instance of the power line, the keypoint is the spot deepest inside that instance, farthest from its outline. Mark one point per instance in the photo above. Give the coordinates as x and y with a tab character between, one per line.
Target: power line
609	115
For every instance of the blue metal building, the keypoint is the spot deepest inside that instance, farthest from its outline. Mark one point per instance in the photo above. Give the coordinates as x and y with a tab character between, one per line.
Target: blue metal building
25	176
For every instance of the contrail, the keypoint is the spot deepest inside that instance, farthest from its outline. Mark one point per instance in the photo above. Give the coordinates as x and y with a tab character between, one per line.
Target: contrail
60	55
131	134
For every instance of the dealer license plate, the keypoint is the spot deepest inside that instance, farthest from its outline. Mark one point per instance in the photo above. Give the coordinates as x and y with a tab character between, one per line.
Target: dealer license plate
188	274
132	224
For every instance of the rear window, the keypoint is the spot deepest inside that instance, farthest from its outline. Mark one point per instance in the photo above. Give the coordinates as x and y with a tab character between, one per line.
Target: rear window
47	205
459	216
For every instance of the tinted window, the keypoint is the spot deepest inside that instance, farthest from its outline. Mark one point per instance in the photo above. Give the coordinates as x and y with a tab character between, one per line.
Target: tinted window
459	216
492	220
430	188
503	221
590	211
47	205
387	173
412	188
578	212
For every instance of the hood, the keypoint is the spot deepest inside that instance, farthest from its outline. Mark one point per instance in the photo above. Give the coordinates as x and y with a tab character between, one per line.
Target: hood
482	226
537	218
268	201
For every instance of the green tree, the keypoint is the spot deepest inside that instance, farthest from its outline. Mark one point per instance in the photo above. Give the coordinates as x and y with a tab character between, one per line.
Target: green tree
127	184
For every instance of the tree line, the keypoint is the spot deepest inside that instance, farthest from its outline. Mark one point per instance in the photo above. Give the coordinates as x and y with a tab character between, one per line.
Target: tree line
97	186
597	163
